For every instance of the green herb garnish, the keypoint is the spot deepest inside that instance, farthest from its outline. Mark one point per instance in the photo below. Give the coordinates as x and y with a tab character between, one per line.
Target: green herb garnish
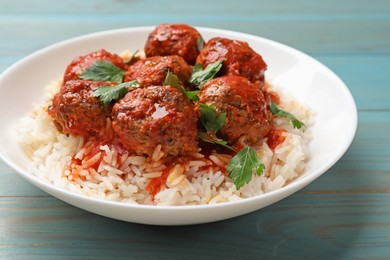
200	76
192	95
275	110
242	165
212	123
102	70
173	81
110	93
209	118
210	137
132	57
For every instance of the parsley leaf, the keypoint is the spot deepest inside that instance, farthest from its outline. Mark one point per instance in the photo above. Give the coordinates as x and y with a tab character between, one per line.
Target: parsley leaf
275	110
209	118
212	123
173	81
103	70
210	137
192	95
132	57
199	76
241	166
110	93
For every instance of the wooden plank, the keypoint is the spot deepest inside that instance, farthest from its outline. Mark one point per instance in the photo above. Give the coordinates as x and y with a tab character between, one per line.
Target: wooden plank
12	184
314	27
216	8
314	37
304	226
366	76
365	166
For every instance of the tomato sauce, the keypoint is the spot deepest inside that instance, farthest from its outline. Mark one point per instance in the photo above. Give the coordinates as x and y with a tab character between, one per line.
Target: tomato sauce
91	159
156	184
275	138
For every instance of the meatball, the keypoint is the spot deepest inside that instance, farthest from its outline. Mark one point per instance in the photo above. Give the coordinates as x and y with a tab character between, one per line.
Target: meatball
244	105
174	39
79	64
152	71
156	115
239	59
76	111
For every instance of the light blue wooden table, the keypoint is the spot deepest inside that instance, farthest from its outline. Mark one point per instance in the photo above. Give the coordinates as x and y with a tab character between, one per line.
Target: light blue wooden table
345	214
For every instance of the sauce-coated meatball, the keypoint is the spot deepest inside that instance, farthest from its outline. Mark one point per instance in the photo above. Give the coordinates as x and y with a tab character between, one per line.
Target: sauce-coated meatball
147	117
243	104
79	64
239	59
174	39
76	111
152	71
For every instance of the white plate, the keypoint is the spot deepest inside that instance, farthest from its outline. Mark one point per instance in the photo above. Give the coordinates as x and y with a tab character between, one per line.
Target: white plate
304	78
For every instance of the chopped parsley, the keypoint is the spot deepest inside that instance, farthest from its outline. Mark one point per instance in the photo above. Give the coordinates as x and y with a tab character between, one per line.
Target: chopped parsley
209	118
212	123
276	111
242	165
103	70
110	93
210	137
132	57
173	81
200	76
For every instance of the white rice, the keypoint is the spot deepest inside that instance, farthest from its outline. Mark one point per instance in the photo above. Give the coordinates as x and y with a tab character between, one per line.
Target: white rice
125	177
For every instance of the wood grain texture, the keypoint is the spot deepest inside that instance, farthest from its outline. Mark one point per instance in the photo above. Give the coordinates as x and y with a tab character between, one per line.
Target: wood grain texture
339	27
345	214
300	227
